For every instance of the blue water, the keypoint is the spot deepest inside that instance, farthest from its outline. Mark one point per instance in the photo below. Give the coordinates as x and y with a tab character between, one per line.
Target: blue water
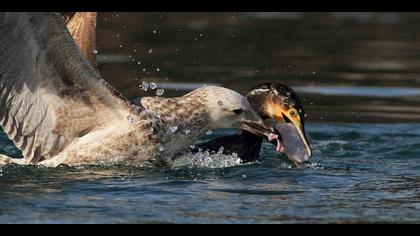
359	173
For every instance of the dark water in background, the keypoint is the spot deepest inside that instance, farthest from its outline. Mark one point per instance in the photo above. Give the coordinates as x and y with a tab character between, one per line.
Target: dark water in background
354	71
376	52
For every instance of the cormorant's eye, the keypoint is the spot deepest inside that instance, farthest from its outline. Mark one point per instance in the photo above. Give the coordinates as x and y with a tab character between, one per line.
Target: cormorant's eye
238	111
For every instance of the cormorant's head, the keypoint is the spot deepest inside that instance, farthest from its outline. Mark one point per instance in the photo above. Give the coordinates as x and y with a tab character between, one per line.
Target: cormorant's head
278	102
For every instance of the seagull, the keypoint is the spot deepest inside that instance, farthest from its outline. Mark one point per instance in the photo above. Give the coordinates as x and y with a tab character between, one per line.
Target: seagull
57	109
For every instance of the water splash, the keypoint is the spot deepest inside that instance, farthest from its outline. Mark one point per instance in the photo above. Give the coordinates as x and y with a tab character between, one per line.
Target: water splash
206	160
149	131
130	119
144	86
313	166
152	85
159	92
157	115
173	129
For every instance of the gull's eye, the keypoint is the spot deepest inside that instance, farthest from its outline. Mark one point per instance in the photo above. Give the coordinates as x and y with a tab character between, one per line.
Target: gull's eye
292	113
238	111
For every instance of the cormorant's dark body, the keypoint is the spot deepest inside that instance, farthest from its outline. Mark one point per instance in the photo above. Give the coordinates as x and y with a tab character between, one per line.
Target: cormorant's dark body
246	145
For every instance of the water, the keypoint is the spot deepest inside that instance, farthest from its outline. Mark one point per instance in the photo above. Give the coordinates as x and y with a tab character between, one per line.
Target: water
358	75
359	173
348	67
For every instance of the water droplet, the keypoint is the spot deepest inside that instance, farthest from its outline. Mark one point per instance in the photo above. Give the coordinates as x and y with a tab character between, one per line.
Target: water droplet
173	129
120	45
244	176
144	86
220	103
208	132
157	114
150	50
192	146
130	119
153	85
161	148
95	51
154	31
187	131
313	72
159	92
149	131
139	62
157	69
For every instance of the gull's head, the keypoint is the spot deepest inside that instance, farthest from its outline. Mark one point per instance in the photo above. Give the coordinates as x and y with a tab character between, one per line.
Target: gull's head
229	109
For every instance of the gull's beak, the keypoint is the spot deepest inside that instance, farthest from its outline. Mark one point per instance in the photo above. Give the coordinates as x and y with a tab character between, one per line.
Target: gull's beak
282	114
253	123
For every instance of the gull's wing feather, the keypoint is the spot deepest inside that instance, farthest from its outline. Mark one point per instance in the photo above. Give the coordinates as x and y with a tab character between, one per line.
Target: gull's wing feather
49	93
82	26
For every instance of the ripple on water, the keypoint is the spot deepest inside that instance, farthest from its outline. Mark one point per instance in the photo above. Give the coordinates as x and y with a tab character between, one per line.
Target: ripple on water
359	173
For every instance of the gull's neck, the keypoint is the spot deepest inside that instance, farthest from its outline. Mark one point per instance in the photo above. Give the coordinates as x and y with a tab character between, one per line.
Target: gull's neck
184	118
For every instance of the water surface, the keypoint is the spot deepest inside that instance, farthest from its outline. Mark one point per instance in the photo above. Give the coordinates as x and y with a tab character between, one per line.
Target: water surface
359	173
358	75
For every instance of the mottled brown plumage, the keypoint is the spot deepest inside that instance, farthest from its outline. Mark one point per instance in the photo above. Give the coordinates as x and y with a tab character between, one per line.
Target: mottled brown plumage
82	27
57	109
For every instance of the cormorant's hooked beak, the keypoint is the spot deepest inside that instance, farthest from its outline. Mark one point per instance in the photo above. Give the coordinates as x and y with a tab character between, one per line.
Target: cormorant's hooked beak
283	114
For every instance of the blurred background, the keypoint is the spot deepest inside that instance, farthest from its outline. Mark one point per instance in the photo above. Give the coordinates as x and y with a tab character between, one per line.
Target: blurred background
346	67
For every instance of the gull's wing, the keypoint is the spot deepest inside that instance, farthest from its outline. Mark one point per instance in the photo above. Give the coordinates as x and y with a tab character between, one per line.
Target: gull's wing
49	93
82	26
